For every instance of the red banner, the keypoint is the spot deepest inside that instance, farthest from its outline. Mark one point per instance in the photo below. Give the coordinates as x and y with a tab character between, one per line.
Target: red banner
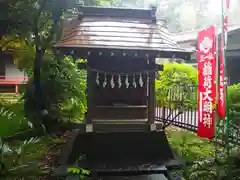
221	89
206	88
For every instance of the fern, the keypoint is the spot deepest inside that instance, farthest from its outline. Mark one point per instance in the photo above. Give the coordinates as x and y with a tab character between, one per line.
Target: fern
16	167
6	113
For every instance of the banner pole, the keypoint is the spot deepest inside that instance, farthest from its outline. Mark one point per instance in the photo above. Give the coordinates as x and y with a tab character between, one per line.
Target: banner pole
225	70
217	82
225	77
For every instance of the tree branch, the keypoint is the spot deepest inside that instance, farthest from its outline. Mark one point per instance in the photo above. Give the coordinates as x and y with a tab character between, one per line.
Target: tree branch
43	24
36	29
56	19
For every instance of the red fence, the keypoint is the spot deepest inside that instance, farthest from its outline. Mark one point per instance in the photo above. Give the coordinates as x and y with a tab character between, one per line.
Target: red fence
12	81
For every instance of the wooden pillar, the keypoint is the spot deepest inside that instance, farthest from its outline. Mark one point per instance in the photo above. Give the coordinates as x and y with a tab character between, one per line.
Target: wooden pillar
16	89
151	94
89	92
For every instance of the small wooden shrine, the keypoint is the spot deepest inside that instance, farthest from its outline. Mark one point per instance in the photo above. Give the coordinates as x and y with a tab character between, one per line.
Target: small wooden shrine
120	46
120	136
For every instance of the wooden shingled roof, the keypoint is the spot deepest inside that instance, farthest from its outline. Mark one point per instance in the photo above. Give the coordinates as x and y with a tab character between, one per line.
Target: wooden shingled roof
122	29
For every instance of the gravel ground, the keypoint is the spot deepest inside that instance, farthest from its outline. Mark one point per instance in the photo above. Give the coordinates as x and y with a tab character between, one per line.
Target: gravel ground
50	159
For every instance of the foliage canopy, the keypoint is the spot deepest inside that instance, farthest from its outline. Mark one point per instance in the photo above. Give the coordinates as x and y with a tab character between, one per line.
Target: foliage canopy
63	92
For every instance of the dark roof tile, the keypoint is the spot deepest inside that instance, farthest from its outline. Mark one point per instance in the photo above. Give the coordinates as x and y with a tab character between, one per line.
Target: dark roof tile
110	31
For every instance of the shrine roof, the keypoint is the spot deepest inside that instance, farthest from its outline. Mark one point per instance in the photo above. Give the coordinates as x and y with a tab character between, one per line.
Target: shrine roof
117	28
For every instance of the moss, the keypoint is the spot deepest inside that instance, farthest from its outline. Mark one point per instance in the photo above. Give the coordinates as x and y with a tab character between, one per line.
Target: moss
189	144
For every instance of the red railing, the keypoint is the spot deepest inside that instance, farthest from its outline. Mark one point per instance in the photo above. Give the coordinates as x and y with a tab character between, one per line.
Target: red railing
13	80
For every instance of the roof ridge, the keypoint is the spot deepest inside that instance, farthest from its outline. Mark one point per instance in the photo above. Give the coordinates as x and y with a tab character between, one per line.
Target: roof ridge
149	13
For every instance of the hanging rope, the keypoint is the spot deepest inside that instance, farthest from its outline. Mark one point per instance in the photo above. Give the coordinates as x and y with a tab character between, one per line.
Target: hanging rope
120	80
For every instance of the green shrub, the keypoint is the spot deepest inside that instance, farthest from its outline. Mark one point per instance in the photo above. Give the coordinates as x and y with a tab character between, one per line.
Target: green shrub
13	160
234	102
11	118
201	153
178	83
63	91
234	94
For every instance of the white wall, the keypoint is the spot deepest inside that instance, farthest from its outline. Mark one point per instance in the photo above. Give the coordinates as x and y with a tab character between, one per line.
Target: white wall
13	73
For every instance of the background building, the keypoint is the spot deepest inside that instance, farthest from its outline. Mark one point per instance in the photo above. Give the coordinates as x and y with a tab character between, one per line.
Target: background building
10	76
188	40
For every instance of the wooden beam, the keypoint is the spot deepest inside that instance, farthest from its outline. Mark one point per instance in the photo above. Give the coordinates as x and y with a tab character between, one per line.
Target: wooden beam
151	94
87	52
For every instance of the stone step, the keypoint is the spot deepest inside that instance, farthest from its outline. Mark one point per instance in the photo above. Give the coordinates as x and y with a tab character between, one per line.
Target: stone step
120	121
124	127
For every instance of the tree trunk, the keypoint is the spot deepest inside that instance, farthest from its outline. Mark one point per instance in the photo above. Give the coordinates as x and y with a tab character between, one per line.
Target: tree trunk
37	78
